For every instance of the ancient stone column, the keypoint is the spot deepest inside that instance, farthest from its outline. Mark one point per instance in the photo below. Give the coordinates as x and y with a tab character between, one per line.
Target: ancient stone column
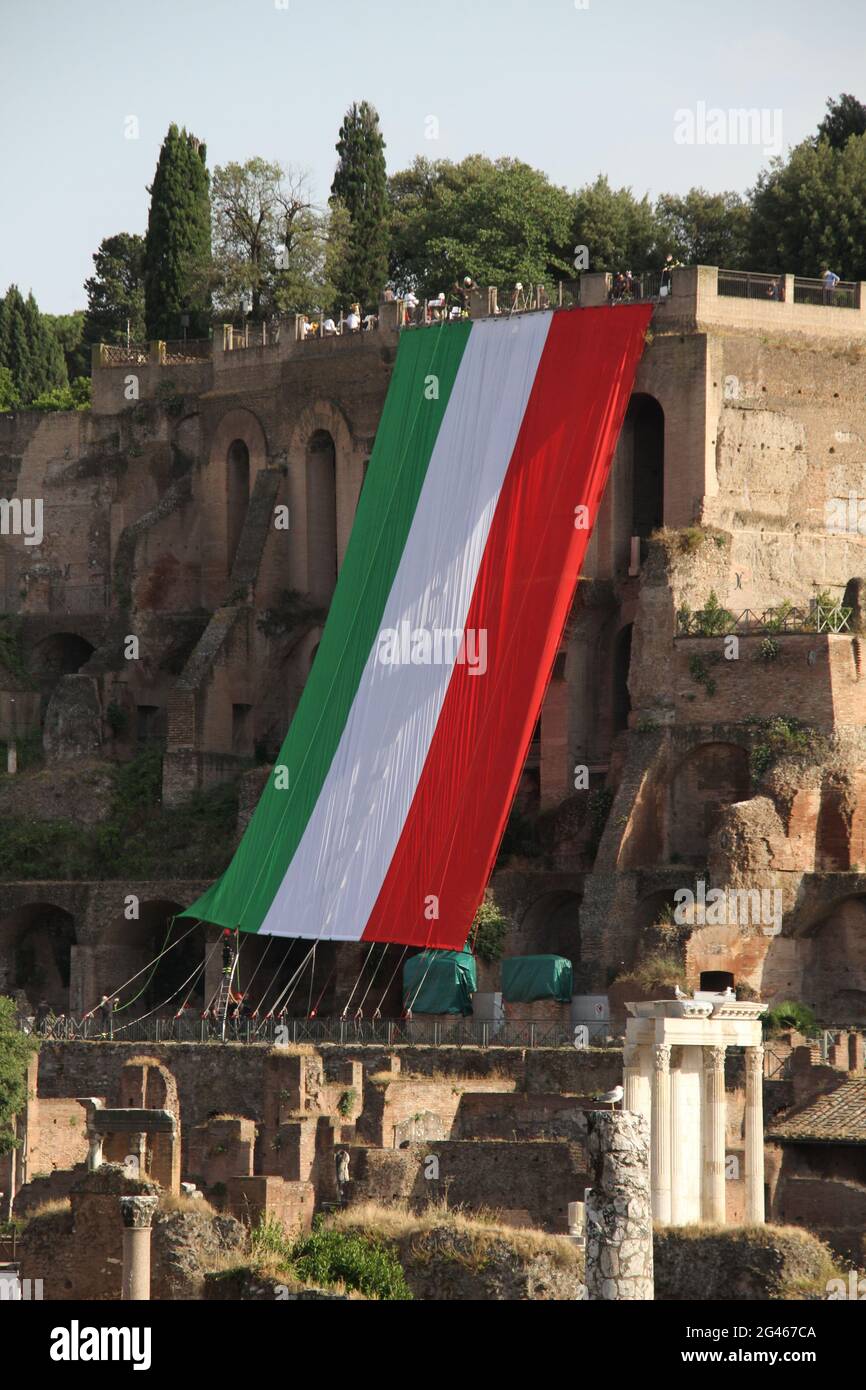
619	1233
637	1080
755	1135
661	1133
713	1183
686	1079
137	1213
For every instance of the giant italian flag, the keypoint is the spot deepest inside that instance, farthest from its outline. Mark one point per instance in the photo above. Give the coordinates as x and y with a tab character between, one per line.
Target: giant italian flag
383	815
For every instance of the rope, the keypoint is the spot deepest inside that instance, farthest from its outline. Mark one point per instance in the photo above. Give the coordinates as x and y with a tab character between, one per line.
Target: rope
195	924
377	1012
198	970
357	981
359	1012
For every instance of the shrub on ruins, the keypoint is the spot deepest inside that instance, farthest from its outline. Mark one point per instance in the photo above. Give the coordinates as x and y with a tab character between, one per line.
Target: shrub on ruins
16	1049
780	736
791	1014
489	930
354	1259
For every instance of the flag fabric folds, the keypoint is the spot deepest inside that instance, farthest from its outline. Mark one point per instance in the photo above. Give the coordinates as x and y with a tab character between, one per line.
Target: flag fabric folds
383	814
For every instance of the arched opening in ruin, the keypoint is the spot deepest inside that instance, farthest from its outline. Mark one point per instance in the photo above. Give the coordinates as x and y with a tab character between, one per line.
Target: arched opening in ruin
60	654
834	964
709	778
131	942
237	495
832	834
551	926
36	954
621	664
321	476
646	421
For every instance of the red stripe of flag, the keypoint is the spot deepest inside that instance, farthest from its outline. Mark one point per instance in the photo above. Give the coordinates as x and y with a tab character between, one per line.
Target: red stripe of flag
522	598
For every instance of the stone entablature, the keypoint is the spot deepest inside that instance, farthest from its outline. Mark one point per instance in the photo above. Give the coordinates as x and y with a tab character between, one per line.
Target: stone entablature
674	1075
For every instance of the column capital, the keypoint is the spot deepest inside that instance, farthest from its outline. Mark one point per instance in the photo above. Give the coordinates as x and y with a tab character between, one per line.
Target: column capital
755	1060
138	1212
662	1056
714	1057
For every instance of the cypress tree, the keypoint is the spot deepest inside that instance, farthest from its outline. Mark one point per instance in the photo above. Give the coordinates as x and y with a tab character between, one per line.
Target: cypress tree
360	185
29	348
177	245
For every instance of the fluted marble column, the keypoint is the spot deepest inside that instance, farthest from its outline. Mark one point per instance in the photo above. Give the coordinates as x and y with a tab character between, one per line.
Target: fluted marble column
755	1135
661	1133
713	1184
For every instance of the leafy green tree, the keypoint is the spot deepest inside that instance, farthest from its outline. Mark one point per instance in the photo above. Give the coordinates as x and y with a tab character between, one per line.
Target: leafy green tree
115	291
809	210
16	1049
701	228
9	397
29	348
846	116
178	242
76	396
360	187
68	329
499	221
619	230
270	242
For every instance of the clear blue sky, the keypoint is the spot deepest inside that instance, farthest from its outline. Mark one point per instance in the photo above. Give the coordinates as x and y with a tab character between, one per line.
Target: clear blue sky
572	91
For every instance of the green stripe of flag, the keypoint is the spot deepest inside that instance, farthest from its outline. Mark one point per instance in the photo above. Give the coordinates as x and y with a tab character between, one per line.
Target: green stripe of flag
410	422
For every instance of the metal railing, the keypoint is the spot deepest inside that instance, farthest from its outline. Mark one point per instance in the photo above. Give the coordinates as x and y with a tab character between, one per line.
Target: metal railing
719	622
444	1032
123	354
750	284
638	288
844	295
185	350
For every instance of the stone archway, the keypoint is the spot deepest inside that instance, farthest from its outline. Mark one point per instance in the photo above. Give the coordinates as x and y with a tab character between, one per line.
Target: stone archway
321	485
59	654
551	926
36	943
833	957
320	428
238	451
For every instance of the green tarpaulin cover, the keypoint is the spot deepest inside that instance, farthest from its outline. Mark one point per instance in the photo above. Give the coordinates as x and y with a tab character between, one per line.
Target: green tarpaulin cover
525	978
440	982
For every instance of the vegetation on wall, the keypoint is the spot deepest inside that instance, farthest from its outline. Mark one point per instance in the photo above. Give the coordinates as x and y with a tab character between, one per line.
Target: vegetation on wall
16	1049
489	930
780	736
141	838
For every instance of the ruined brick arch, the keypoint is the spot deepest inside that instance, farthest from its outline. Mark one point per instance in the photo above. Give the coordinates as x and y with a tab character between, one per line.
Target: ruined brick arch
137	941
326	472
238	451
709	777
36	943
60	654
645	423
833	831
833	960
551	926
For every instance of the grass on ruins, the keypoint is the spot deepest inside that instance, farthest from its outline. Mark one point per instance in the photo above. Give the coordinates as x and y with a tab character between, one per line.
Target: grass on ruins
140	838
